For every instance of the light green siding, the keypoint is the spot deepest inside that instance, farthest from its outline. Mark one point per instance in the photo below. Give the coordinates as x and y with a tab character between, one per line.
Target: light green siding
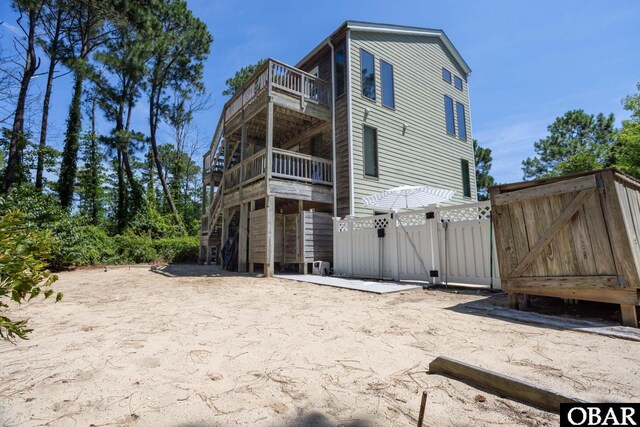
423	153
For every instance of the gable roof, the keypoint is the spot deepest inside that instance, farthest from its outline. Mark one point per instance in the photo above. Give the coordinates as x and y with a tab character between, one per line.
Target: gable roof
394	29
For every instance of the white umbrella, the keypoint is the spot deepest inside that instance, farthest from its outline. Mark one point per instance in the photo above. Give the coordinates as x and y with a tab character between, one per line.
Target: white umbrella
407	197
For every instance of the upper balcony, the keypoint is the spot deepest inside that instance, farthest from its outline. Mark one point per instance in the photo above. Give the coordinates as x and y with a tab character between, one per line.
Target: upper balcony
286	86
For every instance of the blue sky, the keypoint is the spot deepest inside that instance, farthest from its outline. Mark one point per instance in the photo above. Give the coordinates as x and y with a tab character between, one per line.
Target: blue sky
531	61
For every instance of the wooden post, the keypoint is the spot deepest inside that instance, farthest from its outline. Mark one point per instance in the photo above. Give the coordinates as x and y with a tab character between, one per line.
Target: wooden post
513	300
242	236
629	315
252	207
270	203
269	145
269	265
302	264
423	404
225	231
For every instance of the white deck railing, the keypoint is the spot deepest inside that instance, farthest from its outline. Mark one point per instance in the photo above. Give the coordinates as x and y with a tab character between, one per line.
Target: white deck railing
279	77
285	165
301	167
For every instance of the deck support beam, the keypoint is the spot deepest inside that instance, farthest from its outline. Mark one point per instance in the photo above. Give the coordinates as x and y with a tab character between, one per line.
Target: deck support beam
302	265
243	233
270	201
629	315
252	207
269	264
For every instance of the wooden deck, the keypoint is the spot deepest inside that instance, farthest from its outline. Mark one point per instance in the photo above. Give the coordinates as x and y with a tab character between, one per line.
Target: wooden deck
272	145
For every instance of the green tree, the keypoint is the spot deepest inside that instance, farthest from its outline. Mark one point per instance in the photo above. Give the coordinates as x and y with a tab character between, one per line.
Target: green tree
235	83
119	85
484	180
24	254
31	11
55	15
91	177
577	142
87	31
180	45
628	152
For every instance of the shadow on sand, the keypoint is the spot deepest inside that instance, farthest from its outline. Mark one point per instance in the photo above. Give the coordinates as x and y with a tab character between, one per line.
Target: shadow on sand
312	418
196	270
545	312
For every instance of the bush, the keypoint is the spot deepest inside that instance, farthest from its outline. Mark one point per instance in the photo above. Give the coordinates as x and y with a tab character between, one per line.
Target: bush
24	255
151	236
134	249
151	223
83	245
178	249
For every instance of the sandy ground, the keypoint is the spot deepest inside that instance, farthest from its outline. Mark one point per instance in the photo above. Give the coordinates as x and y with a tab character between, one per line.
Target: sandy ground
185	346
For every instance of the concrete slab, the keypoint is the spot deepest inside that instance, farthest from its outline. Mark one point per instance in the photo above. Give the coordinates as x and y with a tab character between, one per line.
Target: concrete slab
355	284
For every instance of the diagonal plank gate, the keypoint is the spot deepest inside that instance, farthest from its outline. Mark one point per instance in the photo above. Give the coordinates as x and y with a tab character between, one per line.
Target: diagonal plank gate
440	245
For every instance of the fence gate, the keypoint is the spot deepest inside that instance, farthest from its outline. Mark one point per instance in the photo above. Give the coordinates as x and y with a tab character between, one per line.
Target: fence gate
440	245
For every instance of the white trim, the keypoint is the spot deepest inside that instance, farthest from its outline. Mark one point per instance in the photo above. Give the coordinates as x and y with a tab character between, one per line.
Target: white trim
394	29
398	29
350	120
470	141
333	126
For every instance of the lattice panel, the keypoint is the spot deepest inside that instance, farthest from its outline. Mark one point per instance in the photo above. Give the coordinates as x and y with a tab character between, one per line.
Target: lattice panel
371	223
409	220
343	226
472	213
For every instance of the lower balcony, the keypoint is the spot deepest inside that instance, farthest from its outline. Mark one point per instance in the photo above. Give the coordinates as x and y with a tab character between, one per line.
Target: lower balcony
293	175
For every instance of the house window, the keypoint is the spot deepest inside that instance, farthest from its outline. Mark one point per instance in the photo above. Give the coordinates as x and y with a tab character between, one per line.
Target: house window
370	151
448	111
315	71
368	74
457	82
446	75
466	180
462	121
386	77
339	64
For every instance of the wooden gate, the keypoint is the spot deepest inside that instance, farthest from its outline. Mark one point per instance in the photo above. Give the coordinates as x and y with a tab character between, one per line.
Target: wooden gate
572	237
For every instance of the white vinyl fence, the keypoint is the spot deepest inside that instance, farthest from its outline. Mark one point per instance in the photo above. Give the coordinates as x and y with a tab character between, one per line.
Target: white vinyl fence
440	245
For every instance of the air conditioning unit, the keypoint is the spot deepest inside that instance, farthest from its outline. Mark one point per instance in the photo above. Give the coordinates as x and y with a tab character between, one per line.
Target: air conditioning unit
321	268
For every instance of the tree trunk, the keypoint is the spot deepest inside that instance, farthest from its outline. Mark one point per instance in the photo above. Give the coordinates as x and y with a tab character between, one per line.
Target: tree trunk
69	165
53	61
121	212
18	140
153	125
93	153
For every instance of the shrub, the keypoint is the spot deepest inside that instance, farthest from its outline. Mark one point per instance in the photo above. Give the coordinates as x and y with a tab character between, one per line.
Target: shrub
151	223
134	249
82	245
177	249
24	255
